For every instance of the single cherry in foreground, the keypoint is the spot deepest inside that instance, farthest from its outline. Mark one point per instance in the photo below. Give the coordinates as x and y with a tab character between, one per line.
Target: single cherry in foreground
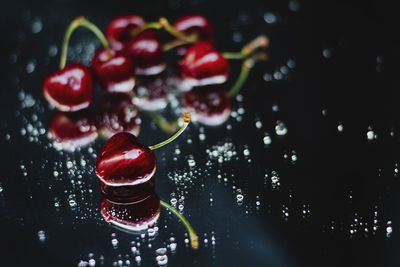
69	89
72	130
203	65
115	71
146	52
116	113
210	105
151	93
133	216
119	30
124	161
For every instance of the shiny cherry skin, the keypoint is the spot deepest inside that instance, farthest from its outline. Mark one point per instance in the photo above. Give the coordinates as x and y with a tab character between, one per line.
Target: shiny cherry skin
151	93
119	30
124	161
70	89
203	65
194	24
146	52
116	113
115	71
135	216
209	105
130	193
73	130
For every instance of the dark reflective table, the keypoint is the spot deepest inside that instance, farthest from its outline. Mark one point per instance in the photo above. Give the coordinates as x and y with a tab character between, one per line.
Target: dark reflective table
304	173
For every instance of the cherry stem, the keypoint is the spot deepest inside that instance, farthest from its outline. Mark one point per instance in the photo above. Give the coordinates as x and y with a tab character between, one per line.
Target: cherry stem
194	240
150	25
176	43
80	21
186	121
189	38
163	124
261	41
247	65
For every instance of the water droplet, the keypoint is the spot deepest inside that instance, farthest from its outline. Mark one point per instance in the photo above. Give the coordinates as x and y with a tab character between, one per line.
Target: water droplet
42	236
259	124
327	53
37	26
270	18
72	203
267	139
239	197
280	128
30	67
92	262
114	242
340	127
294	5
162	260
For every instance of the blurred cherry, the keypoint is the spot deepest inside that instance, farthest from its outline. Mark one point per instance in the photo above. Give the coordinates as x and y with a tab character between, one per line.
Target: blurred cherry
119	30
151	93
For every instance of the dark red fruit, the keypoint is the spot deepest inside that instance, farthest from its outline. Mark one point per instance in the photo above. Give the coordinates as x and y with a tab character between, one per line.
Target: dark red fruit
69	89
118	114
151	93
194	24
146	52
209	105
203	65
73	130
123	161
119	30
115	72
134	216
130	193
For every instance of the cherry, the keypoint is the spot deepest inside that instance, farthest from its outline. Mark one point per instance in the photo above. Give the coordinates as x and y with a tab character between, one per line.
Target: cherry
151	93
194	24
116	114
115	71
124	161
210	105
69	89
203	65
73	130
133	216
146	52
119	30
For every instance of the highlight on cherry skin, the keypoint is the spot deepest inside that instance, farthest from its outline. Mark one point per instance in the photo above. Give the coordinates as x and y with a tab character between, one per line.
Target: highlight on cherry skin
69	89
119	30
73	130
116	113
114	71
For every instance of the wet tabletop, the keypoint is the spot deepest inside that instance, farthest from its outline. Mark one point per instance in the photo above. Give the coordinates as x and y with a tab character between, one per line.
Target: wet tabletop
304	173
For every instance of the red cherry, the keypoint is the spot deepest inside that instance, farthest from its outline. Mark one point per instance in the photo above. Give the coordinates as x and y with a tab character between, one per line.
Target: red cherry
209	105
124	161
118	114
151	93
194	24
135	216
203	65
124	194
115	72
146	52
119	30
69	89
73	130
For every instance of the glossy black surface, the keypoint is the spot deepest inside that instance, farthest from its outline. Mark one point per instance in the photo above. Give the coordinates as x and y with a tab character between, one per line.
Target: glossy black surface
346	73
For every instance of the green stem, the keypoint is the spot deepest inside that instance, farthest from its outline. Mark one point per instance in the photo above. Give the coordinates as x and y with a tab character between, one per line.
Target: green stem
244	73
194	240
80	21
261	41
190	38
186	121
150	25
175	43
233	55
163	124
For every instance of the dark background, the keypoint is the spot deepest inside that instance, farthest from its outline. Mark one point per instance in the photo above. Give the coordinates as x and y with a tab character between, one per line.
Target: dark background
341	177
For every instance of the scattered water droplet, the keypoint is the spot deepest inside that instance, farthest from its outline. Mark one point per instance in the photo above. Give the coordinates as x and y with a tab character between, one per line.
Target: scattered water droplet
280	128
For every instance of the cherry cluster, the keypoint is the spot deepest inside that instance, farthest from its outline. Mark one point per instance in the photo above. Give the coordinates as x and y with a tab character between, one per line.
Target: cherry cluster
131	70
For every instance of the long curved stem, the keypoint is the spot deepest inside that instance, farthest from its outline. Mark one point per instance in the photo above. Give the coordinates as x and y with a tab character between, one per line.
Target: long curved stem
186	121
190	38
244	73
194	240
150	25
80	21
261	41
